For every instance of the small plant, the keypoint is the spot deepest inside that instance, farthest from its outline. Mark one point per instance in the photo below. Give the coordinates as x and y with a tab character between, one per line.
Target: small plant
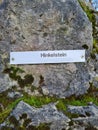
13	121
61	106
4	114
43	126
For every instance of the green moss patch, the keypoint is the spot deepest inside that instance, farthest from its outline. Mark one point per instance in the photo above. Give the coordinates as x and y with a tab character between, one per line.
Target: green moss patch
8	109
15	74
91	15
39	101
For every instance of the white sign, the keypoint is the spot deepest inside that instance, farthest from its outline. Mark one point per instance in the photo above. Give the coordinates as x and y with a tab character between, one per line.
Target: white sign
44	57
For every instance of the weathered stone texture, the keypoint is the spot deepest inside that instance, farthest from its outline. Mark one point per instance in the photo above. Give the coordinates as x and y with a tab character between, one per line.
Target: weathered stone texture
88	115
86	111
4	54
51	25
46	114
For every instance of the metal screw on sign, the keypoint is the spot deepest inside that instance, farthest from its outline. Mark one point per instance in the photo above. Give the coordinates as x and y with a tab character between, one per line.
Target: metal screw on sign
82	56
13	59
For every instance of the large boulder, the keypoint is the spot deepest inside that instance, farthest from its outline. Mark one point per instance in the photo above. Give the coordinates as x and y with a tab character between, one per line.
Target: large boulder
87	116
47	114
50	25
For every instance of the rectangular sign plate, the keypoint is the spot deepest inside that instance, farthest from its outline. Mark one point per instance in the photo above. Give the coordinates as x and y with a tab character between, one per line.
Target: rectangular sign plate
44	57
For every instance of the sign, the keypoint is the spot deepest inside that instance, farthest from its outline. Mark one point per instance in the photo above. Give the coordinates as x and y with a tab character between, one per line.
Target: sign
45	57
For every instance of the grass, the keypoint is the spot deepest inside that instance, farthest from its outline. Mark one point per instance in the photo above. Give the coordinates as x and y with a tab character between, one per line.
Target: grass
95	45
8	109
38	102
4	114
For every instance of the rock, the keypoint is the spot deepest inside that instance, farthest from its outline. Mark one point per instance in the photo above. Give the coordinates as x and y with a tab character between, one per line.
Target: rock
88	122
94	78
95	81
87	115
76	127
63	125
45	91
35	25
46	114
86	111
4	52
14	95
3	4
32	93
4	83
53	25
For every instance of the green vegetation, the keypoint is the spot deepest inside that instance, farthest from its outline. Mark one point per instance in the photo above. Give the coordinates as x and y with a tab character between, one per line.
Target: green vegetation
8	109
61	104
91	15
95	45
4	114
43	126
38	101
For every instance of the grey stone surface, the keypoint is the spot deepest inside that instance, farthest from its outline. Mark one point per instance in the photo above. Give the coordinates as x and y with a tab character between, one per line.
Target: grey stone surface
51	25
59	125
4	58
90	122
4	46
88	115
93	65
46	114
3	4
14	95
90	110
31	25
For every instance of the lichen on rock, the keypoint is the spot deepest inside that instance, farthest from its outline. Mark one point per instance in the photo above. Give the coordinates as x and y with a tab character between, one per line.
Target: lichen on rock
36	25
52	25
